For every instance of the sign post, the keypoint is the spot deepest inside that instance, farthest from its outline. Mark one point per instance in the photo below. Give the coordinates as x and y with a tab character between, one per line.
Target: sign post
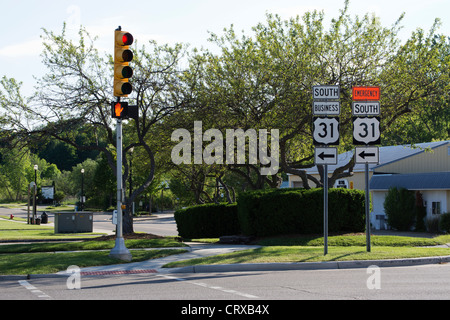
366	131
325	132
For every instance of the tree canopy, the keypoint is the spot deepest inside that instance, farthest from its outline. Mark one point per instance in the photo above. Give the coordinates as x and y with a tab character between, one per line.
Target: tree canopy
259	80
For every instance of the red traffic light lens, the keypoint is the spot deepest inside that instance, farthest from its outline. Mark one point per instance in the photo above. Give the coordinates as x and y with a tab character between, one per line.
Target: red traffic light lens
127	39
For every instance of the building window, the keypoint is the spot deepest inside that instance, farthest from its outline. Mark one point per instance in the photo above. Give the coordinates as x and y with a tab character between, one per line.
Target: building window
436	207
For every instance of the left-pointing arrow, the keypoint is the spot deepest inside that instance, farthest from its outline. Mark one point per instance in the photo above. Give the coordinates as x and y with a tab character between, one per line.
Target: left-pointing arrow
366	154
324	155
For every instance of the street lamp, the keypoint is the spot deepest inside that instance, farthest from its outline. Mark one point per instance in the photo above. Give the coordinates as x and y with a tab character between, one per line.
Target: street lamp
35	167
82	190
131	179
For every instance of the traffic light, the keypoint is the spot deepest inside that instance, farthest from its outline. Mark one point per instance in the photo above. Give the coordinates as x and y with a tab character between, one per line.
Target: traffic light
119	110
122	56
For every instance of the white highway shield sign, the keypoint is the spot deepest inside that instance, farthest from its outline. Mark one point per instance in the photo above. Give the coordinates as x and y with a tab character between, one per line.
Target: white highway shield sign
326	130
366	130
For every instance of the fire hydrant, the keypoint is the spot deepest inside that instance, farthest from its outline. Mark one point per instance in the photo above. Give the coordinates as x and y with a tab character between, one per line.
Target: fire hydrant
11	217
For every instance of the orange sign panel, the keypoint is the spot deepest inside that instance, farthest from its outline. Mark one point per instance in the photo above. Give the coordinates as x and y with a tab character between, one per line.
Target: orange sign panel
366	93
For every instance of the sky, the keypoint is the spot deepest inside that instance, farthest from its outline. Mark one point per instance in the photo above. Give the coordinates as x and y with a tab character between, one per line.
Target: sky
174	21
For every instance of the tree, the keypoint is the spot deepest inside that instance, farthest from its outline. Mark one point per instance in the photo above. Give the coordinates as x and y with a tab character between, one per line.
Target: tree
76	92
265	80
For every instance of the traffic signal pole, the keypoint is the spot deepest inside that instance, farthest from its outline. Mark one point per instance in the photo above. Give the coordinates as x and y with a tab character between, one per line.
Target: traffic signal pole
120	251
122	72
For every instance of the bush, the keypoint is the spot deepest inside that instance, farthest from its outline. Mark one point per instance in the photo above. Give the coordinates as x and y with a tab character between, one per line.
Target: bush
444	223
207	221
289	211
399	208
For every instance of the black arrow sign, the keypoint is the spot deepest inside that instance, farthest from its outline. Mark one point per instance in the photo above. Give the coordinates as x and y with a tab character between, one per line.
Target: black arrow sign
323	156
364	155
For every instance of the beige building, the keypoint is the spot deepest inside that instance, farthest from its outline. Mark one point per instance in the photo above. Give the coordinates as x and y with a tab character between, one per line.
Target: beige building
424	167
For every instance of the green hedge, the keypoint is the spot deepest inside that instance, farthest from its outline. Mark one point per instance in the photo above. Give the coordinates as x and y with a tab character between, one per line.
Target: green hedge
207	221
275	212
300	211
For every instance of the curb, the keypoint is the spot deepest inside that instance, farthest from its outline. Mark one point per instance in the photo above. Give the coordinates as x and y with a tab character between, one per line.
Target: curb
309	265
256	267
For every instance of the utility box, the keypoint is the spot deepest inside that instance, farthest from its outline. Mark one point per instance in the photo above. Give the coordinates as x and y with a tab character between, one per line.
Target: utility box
73	222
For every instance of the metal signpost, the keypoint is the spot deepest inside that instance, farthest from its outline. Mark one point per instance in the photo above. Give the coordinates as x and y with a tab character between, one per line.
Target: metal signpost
366	131
325	132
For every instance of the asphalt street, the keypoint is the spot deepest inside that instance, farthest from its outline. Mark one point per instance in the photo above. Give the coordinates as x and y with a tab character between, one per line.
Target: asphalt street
428	282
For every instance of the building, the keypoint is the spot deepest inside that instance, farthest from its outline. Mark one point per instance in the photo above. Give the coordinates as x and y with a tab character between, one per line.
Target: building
424	167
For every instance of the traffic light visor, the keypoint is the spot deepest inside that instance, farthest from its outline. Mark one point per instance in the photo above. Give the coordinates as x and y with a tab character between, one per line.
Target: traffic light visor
122	88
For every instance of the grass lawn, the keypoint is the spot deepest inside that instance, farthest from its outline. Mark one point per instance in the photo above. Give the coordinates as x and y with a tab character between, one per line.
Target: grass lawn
43	258
45	263
287	249
280	254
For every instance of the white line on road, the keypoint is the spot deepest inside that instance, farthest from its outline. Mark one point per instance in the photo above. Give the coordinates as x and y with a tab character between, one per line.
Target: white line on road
201	284
33	289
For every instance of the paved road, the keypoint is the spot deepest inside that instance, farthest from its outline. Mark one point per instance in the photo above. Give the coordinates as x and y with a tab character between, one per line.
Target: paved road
162	224
404	283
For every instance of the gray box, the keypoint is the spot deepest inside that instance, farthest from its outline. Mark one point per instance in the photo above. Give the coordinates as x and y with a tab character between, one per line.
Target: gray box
73	222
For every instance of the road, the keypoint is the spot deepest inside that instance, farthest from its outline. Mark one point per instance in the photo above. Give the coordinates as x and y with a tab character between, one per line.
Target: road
160	223
404	283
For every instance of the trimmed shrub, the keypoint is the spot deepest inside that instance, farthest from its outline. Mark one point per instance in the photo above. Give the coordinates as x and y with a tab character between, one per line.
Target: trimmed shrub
207	221
289	211
399	208
444	223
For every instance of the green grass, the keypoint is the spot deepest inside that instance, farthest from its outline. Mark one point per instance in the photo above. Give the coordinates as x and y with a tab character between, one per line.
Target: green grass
90	245
43	258
355	240
45	263
289	254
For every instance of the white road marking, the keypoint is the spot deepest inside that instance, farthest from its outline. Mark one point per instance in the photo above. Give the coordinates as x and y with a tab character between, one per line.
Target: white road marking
201	284
33	289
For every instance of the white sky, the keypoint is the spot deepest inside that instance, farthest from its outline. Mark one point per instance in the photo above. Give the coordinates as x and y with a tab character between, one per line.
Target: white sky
171	21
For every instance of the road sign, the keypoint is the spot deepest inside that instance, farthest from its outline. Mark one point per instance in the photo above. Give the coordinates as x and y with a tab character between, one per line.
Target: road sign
363	109
326	108
366	93
326	92
326	130
366	130
324	156
369	155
